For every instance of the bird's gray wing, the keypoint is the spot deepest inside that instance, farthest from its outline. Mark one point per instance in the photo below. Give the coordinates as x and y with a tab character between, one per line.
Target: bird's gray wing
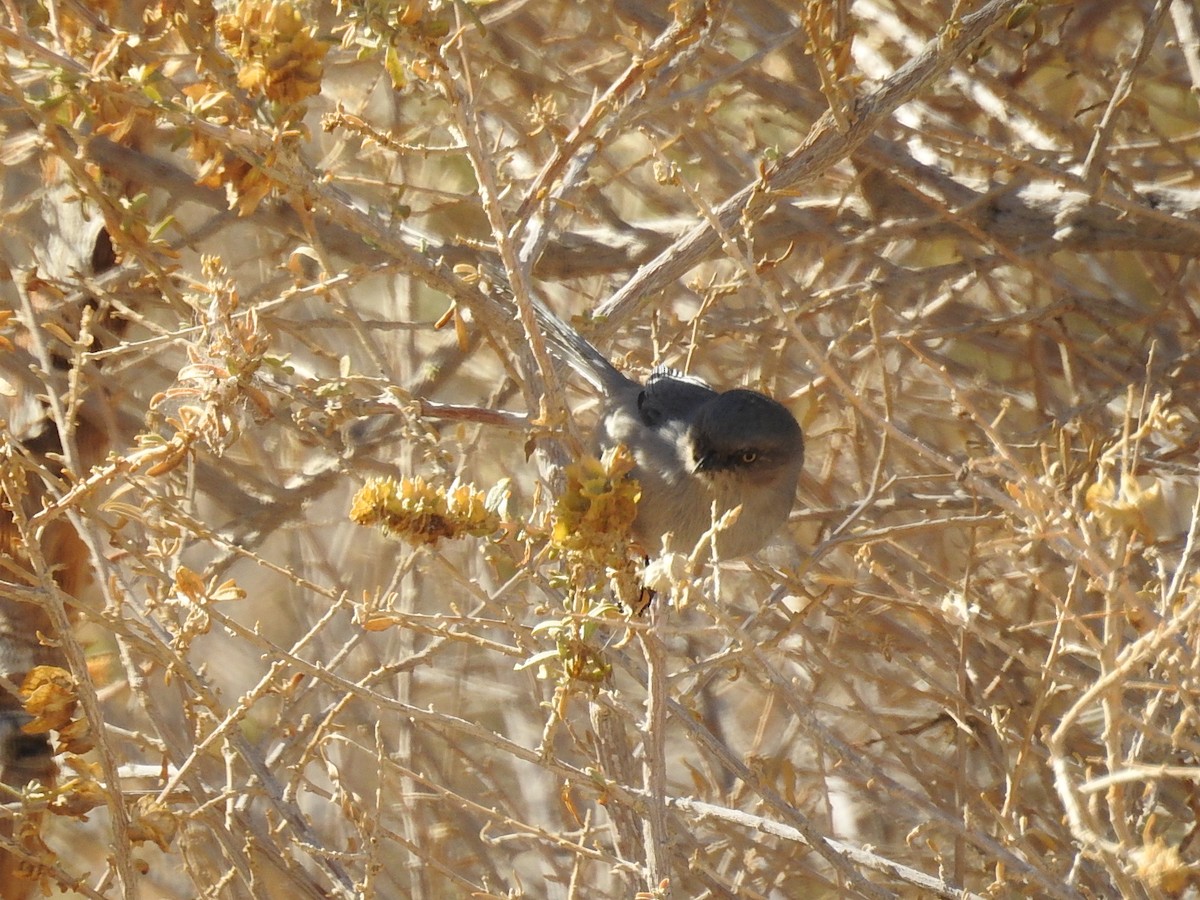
670	396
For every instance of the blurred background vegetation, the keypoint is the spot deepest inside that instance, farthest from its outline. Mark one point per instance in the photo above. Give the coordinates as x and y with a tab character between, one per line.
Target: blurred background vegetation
258	254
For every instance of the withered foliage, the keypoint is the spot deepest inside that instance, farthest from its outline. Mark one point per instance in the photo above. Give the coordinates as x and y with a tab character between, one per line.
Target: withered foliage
266	272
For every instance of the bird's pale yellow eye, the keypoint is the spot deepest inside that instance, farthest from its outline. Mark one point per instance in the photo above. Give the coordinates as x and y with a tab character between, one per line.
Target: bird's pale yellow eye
749	456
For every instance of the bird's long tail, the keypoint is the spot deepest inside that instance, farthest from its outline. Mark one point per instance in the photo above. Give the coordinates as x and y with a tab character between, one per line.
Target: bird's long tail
578	352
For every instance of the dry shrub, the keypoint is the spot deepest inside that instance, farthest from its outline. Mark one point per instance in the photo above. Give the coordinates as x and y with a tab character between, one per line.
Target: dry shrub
957	240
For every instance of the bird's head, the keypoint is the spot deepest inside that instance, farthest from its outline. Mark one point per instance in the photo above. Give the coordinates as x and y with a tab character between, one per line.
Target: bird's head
746	436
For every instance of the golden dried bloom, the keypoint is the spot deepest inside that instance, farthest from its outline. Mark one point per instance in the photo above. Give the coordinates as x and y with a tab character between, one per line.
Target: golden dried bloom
117	110
6	323
423	513
1130	505
153	821
77	737
38	859
217	164
189	584
1161	866
81	793
595	513
279	57
49	695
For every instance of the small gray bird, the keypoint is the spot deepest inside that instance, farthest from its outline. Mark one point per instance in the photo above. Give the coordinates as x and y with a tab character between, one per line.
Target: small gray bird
694	448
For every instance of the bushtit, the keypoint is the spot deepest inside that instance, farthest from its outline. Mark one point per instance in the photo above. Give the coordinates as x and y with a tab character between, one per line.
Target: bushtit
698	452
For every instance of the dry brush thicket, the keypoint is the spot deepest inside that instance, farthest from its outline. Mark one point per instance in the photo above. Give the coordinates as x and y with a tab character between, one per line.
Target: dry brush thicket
958	240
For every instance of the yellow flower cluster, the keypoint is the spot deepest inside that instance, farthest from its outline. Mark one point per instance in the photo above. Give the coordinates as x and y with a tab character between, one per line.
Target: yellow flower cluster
423	513
50	696
593	517
278	55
